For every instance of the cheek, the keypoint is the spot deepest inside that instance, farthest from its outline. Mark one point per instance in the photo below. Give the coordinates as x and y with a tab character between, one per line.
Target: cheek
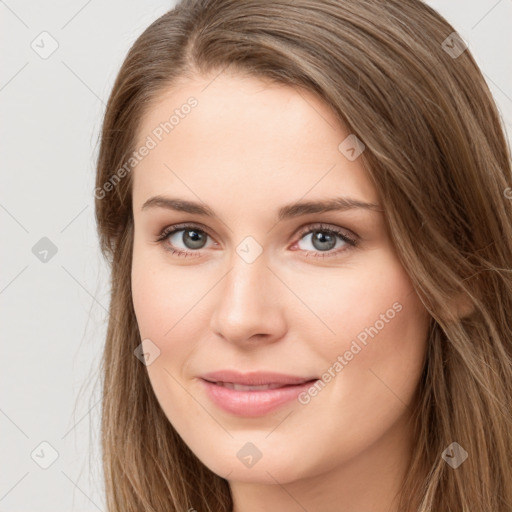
170	310
383	345
373	364
379	329
164	302
395	324
370	301
162	295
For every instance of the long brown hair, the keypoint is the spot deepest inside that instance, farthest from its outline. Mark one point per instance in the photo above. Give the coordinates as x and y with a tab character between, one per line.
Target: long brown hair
397	76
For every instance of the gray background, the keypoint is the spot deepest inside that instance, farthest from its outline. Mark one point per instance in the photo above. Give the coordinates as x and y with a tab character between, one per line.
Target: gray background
53	312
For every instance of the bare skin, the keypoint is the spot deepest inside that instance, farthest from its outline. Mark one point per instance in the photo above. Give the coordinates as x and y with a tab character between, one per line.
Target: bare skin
247	149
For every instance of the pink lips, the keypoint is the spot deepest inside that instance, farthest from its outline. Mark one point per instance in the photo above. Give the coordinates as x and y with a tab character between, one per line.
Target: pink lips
253	402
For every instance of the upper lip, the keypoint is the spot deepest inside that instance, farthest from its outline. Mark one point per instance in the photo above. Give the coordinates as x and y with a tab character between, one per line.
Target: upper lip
254	378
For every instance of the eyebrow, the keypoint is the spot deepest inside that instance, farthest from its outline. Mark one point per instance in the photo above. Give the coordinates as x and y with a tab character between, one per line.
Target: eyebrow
285	212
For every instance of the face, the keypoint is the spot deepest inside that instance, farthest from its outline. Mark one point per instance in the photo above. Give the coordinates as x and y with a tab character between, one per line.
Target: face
260	282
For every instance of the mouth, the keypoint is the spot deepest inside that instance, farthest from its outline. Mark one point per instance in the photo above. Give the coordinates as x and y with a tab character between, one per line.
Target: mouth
244	387
253	400
260	378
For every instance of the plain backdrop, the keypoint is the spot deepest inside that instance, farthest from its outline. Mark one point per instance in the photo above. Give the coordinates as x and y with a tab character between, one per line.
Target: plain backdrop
54	290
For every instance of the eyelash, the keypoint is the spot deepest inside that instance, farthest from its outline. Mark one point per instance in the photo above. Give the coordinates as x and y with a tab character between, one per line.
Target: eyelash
170	230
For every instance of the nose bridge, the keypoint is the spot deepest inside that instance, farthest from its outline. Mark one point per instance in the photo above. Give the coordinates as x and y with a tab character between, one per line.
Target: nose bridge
243	307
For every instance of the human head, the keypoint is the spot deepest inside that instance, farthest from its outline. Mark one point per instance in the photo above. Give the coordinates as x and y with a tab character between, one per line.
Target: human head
434	182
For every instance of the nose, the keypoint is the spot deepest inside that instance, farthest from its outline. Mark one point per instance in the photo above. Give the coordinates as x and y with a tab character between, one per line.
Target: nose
249	304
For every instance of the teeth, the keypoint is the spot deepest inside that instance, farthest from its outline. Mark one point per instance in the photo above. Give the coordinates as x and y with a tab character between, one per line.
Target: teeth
242	387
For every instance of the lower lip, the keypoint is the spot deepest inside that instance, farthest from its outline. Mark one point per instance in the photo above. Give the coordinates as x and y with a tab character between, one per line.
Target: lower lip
253	403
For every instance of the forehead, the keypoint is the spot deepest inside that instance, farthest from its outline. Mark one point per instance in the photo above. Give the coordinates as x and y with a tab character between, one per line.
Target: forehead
245	136
228	102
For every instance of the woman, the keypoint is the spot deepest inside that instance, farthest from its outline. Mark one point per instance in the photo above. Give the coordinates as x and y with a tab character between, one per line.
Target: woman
306	207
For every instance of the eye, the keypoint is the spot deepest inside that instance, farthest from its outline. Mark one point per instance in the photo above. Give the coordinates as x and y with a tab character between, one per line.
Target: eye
192	237
323	238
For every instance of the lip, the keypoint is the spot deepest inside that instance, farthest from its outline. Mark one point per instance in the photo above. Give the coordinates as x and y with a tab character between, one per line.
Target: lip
253	403
254	378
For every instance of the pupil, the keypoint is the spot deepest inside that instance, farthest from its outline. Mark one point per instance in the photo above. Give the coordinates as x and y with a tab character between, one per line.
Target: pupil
320	239
196	239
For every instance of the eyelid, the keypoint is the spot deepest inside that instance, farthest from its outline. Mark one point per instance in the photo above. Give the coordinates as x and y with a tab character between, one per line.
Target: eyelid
323	226
183	226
